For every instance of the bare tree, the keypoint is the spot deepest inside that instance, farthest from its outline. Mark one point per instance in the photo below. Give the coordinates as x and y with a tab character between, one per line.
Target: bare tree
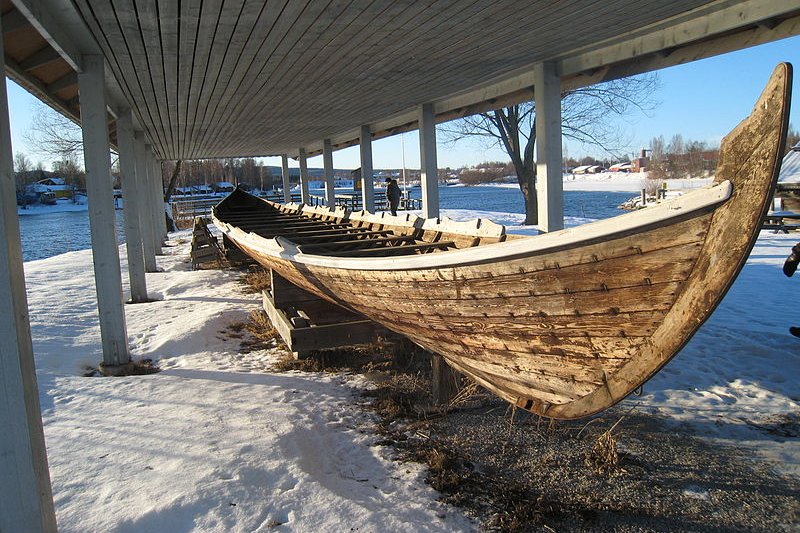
54	136
584	116
22	166
72	173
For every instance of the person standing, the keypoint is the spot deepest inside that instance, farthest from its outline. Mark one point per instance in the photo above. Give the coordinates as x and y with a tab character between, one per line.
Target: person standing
393	195
789	268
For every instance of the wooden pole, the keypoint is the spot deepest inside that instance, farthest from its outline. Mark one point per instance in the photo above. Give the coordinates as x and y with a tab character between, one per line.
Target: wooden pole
305	197
102	217
428	162
146	219
287	194
26	503
131	187
367	183
549	181
327	163
444	380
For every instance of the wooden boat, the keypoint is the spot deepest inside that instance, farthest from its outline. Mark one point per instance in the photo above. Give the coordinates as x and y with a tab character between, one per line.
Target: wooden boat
564	324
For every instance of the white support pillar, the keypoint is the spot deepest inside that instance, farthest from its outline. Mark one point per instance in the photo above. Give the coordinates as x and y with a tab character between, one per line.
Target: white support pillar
287	193
367	185
428	162
327	163
27	499
305	197
145	214
158	200
152	200
131	192
549	181
102	218
162	208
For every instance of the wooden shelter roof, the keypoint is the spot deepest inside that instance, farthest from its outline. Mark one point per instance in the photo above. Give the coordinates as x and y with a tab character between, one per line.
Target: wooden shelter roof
251	77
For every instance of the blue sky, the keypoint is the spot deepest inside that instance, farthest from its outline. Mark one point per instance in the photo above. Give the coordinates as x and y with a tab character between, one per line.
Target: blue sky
702	101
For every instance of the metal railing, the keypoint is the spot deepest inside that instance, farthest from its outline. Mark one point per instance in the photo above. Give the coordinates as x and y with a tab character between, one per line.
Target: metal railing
354	202
185	209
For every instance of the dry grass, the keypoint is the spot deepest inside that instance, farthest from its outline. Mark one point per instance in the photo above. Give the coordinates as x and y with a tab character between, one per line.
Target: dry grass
263	335
604	456
256	280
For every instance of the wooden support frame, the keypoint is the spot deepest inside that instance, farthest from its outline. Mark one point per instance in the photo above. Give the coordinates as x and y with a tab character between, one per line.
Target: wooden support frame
307	323
357	244
423	247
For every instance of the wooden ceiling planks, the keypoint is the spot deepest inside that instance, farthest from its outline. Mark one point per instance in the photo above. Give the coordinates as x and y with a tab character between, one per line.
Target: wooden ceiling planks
214	79
260	39
396	13
304	38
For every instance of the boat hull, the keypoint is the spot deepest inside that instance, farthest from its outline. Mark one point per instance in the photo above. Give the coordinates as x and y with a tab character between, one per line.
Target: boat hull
568	329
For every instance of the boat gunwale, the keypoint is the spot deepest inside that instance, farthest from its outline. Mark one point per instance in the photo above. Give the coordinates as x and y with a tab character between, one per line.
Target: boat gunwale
694	203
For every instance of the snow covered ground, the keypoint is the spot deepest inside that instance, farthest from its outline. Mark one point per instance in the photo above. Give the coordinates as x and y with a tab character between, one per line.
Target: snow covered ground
59	207
216	442
615	182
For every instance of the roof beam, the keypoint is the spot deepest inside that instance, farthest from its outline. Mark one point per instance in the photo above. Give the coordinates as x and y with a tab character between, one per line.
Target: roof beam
67	80
17	73
41	58
39	15
714	19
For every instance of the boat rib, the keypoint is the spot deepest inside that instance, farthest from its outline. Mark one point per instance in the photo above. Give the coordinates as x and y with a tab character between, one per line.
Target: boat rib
564	324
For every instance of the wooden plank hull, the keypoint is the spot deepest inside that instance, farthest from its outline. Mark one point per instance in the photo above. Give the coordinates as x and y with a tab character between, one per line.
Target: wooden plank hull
566	324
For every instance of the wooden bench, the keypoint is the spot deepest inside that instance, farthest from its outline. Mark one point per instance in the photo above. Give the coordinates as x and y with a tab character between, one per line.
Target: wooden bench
777	221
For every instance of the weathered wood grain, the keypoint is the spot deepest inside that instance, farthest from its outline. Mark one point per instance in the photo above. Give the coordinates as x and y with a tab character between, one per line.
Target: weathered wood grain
564	331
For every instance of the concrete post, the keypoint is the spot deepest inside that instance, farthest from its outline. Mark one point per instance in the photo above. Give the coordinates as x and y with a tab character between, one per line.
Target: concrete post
305	197
158	203
367	185
287	194
102	218
143	175
27	500
131	192
150	209
428	162
162	208
327	163
549	181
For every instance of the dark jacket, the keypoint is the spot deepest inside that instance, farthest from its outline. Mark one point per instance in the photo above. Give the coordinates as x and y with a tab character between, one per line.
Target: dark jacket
393	192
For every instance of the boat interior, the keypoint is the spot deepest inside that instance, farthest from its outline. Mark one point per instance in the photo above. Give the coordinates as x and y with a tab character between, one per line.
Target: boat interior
340	233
